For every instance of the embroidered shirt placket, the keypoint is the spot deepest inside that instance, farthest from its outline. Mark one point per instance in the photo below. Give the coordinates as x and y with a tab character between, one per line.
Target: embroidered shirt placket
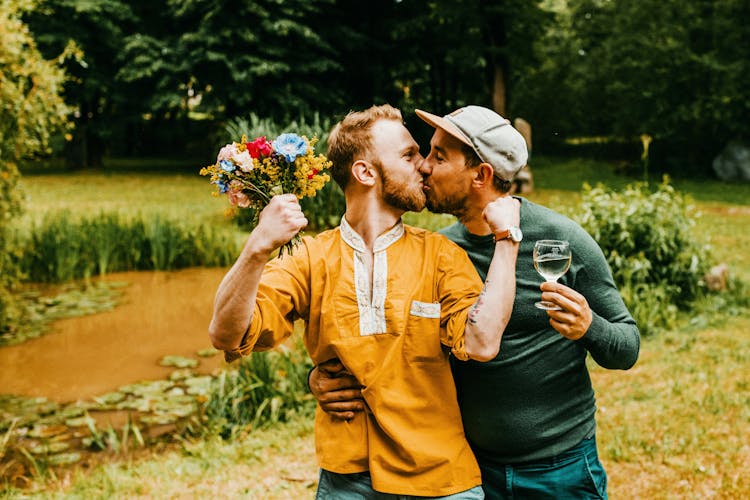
371	296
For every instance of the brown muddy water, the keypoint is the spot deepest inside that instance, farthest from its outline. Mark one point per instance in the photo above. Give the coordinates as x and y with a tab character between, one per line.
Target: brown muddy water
160	314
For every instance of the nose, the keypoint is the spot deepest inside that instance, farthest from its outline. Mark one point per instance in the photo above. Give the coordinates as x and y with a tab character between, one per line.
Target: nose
424	167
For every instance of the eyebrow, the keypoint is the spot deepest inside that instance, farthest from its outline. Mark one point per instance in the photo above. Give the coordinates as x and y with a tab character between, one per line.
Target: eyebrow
439	150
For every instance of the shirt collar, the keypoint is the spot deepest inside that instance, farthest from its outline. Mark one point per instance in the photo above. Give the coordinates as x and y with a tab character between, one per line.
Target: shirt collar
354	240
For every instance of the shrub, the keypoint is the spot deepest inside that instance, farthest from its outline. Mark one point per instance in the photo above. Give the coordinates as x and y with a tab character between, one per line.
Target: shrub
10	207
263	389
651	248
32	111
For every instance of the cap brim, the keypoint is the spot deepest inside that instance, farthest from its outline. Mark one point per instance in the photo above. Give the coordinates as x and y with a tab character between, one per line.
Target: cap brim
442	123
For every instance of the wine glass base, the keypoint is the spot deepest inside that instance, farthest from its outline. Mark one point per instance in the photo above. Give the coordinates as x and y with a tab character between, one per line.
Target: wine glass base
547	306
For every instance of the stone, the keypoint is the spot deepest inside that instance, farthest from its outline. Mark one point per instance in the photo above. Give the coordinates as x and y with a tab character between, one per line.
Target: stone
733	163
716	278
524	128
523	182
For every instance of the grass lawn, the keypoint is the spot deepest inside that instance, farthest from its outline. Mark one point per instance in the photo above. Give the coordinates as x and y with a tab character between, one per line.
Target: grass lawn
675	426
89	192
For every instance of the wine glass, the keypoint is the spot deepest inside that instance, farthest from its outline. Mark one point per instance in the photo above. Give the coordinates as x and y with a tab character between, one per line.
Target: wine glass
551	260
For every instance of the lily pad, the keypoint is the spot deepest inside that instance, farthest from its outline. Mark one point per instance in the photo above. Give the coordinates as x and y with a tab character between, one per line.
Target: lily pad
151	388
159	419
64	458
47	431
181	374
198	385
80	421
178	362
73	410
109	398
176	407
208	353
175	391
141	404
46	448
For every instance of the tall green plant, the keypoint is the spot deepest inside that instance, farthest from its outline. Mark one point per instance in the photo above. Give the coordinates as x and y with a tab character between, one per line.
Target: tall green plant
648	238
61	249
266	388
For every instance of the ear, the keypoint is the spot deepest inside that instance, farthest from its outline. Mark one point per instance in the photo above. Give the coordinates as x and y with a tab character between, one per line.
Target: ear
484	175
364	172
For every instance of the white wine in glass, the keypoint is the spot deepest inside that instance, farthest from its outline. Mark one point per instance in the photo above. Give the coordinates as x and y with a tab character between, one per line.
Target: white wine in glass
551	260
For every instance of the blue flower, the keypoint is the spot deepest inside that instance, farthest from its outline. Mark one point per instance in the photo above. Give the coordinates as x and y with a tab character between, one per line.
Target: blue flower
290	146
222	184
227	166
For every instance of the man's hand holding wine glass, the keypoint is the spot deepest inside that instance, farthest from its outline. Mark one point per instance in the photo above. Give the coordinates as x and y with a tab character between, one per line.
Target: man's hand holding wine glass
574	318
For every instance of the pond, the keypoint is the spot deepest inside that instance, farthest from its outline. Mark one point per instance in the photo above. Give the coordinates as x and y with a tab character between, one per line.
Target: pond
160	314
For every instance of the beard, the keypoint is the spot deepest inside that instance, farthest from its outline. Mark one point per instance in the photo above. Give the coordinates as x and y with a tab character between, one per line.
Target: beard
399	194
454	205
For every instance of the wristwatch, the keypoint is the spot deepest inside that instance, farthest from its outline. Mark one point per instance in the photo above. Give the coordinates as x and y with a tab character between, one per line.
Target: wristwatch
513	233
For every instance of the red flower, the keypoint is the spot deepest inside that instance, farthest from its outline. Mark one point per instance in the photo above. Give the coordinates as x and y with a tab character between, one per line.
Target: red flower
313	174
259	147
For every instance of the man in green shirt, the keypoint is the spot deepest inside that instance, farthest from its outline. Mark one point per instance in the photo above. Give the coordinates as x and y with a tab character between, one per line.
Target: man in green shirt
530	413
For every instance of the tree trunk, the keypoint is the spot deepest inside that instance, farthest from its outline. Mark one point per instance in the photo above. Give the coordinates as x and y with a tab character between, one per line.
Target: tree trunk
75	150
499	90
496	34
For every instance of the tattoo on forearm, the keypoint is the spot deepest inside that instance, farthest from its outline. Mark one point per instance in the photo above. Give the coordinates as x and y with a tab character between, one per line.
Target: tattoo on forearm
474	311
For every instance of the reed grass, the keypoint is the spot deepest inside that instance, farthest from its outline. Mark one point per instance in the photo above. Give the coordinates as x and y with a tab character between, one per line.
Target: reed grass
62	248
264	389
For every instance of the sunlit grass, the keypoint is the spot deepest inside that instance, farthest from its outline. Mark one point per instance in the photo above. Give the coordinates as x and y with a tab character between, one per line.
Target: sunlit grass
569	174
676	425
273	463
176	196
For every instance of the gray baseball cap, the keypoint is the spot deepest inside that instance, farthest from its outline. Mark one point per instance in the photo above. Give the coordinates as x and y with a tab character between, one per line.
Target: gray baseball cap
490	135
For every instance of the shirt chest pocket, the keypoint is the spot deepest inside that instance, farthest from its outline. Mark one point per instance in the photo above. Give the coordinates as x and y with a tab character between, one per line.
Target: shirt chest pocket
422	333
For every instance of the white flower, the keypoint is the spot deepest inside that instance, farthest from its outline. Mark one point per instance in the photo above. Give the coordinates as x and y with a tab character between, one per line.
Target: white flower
243	160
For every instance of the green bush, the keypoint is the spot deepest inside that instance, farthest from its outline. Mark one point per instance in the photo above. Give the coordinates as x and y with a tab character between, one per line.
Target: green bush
10	208
323	210
263	389
61	249
655	256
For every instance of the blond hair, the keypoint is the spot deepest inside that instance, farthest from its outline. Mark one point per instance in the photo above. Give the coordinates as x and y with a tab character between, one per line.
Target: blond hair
350	139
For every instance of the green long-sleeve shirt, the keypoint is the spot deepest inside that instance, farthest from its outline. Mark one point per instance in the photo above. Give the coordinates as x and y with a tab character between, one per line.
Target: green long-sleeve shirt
535	399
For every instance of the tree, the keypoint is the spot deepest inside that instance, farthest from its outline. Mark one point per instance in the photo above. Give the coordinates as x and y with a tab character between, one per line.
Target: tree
673	69
263	55
98	28
456	53
32	110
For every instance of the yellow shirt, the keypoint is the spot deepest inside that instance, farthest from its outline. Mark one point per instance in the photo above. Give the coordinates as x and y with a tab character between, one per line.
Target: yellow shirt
393	335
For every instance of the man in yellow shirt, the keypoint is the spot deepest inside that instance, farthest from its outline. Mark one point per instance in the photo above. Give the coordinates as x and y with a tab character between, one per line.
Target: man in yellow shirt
390	301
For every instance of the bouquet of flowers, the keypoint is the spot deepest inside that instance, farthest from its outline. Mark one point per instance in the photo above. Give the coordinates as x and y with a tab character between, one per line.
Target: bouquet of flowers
250	173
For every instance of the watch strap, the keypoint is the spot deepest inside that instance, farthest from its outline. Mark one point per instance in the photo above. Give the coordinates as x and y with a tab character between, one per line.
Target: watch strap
502	235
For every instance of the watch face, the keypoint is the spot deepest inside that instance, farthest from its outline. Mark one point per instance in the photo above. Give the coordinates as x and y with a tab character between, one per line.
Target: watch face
516	234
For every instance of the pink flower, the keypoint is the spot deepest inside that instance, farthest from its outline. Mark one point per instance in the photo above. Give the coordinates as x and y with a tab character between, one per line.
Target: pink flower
226	152
259	147
236	196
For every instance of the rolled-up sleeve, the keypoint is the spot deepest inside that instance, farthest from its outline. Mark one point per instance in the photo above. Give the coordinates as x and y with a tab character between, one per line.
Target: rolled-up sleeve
458	286
283	297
